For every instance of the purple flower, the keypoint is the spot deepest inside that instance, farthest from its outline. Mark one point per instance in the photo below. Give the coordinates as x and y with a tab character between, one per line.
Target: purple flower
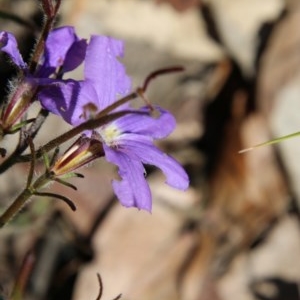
127	141
105	82
64	51
8	44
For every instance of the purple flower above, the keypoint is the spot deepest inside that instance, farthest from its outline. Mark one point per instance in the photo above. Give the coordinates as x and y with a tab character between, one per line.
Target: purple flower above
127	141
63	49
63	52
105	82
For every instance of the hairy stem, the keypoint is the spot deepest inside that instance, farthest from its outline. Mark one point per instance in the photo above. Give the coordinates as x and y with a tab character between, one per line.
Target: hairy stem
40	46
20	201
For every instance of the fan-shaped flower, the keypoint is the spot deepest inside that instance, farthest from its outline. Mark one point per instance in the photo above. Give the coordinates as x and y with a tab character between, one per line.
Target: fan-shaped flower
64	51
128	140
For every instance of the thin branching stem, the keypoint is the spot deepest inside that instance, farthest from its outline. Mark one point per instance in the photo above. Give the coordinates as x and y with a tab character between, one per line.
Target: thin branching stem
25	195
32	162
23	277
40	46
34	128
100	287
12	210
89	125
159	72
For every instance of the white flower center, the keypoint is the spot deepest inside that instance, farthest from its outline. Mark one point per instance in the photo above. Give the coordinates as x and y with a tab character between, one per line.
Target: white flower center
110	134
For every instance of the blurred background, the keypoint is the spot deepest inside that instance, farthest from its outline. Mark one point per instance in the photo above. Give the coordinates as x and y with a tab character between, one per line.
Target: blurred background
234	234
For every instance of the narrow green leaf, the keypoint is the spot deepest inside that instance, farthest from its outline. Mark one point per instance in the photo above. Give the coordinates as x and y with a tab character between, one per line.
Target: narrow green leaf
69	202
72	175
18	126
271	142
54	156
65	183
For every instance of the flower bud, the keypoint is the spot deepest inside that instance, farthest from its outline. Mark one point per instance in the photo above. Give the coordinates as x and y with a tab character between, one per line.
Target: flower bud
17	104
83	151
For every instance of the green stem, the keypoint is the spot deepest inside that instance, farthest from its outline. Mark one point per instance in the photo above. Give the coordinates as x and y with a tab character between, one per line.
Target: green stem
15	207
20	201
271	142
23	277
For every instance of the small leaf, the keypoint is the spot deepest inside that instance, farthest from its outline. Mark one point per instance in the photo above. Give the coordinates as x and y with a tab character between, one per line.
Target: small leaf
65	183
72	175
55	153
17	127
59	197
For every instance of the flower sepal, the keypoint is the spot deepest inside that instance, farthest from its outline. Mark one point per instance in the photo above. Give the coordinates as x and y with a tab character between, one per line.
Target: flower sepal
17	105
83	151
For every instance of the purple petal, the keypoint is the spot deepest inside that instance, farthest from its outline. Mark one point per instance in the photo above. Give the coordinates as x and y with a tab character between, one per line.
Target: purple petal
8	44
61	99
133	190
157	127
63	49
142	148
68	99
75	55
105	71
87	96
